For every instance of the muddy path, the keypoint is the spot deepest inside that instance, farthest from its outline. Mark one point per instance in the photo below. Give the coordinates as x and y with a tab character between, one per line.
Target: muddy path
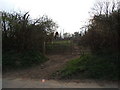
32	77
31	83
43	71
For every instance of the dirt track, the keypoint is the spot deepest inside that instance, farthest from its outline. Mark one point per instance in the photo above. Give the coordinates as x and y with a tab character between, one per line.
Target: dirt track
55	62
29	83
31	78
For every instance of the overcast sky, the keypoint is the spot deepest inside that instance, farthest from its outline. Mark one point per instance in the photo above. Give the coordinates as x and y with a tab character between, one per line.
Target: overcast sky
70	15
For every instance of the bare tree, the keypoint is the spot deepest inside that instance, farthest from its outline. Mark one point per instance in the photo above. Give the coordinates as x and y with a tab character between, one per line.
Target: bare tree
104	7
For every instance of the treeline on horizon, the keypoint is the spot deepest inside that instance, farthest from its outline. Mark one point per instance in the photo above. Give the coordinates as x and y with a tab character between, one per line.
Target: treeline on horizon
20	33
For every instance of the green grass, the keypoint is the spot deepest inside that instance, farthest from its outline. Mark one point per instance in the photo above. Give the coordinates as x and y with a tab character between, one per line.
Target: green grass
59	46
63	42
92	66
15	60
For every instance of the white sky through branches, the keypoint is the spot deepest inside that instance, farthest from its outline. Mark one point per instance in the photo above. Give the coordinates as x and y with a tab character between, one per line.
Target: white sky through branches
70	15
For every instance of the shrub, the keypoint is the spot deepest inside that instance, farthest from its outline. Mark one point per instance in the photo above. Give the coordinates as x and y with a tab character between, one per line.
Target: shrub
14	59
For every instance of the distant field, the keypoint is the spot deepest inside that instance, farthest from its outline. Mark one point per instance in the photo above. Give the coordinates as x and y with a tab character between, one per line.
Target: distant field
62	42
59	46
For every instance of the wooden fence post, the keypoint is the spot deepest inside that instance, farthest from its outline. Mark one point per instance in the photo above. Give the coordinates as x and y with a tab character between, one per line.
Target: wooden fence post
72	46
44	49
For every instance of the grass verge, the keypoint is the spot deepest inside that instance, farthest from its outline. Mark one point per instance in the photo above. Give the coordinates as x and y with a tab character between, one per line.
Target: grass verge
93	66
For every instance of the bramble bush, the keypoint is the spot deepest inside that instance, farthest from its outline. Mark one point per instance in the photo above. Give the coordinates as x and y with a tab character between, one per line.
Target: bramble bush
26	59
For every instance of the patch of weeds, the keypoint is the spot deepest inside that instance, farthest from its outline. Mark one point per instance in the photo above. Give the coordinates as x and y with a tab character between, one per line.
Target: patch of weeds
16	60
92	66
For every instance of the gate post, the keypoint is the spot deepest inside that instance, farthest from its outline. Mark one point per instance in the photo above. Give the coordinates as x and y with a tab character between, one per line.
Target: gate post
44	49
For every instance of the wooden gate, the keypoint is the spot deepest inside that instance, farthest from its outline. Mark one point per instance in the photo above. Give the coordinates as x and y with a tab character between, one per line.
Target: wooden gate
59	47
